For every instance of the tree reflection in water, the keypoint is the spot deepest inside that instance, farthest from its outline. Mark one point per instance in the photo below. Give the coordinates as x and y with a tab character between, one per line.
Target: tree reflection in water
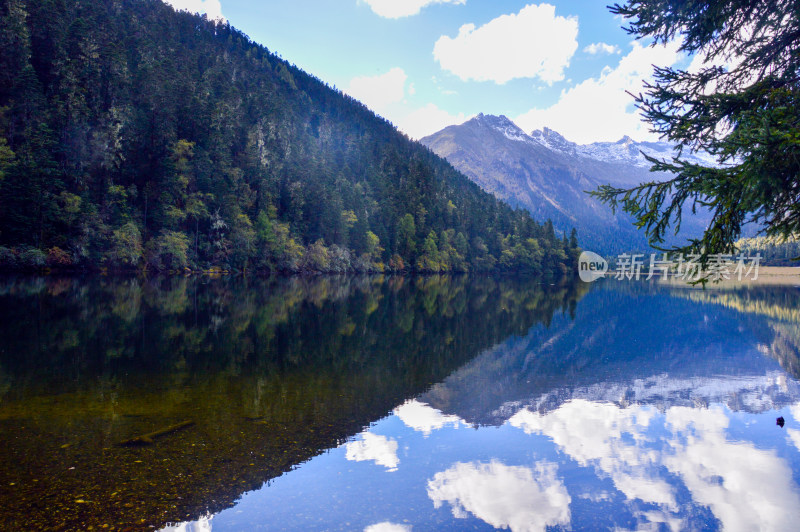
271	371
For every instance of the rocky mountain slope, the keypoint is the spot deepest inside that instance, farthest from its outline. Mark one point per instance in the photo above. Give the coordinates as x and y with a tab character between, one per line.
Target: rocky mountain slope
548	175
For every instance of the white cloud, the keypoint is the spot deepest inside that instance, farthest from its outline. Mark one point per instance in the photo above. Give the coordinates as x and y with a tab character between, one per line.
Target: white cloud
404	8
600	109
428	120
203	525
727	61
592	434
425	419
602	48
794	437
519	498
379	92
386	526
745	487
532	43
212	8
374	448
386	95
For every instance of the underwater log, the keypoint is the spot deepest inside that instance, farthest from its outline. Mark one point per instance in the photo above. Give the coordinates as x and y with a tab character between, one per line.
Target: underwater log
148	439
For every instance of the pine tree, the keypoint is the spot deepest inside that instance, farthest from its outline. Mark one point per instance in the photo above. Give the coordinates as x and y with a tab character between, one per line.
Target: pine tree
742	106
132	135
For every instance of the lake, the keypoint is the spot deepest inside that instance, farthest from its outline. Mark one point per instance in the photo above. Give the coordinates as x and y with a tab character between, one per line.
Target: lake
394	404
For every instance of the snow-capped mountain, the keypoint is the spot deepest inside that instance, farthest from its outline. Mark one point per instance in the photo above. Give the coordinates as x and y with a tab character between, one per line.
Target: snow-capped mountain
624	151
548	175
504	125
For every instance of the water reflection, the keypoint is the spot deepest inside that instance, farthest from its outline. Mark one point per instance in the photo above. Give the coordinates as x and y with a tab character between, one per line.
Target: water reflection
201	525
386	404
387	527
634	345
643	451
378	449
423	418
647	408
515	497
271	373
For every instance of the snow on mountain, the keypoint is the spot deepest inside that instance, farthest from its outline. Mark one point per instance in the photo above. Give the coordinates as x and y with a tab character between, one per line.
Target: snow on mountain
504	125
751	393
549	175
554	141
625	151
628	151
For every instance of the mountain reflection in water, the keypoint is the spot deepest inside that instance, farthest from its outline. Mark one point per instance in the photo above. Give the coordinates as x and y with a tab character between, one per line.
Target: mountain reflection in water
386	404
271	372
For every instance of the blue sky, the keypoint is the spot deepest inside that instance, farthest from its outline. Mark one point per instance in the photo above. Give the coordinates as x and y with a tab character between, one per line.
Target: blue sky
426	64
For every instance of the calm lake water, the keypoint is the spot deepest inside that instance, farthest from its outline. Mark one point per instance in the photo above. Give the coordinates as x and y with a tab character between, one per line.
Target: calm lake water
395	404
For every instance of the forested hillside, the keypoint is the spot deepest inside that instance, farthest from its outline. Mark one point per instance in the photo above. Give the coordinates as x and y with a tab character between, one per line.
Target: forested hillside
132	136
773	251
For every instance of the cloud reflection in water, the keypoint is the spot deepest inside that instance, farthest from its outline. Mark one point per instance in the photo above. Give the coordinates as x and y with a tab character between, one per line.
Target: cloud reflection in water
374	448
425	419
520	498
745	488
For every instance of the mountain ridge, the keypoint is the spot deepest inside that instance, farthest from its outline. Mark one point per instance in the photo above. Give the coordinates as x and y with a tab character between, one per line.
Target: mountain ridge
137	137
625	150
549	176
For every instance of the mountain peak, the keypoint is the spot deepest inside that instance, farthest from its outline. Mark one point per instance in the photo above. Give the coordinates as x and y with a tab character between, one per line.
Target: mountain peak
549	134
495	120
502	124
553	140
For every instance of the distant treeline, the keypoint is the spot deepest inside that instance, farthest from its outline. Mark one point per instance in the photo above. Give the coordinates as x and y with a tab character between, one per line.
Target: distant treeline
774	252
133	137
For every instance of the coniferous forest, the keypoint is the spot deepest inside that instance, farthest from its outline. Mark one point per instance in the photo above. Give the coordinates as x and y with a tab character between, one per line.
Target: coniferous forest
136	137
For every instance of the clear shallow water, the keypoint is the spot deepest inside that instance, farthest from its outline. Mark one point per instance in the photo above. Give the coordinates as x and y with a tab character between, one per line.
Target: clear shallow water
397	404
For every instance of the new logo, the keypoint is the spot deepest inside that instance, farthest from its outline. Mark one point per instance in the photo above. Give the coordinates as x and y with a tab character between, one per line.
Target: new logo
591	267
